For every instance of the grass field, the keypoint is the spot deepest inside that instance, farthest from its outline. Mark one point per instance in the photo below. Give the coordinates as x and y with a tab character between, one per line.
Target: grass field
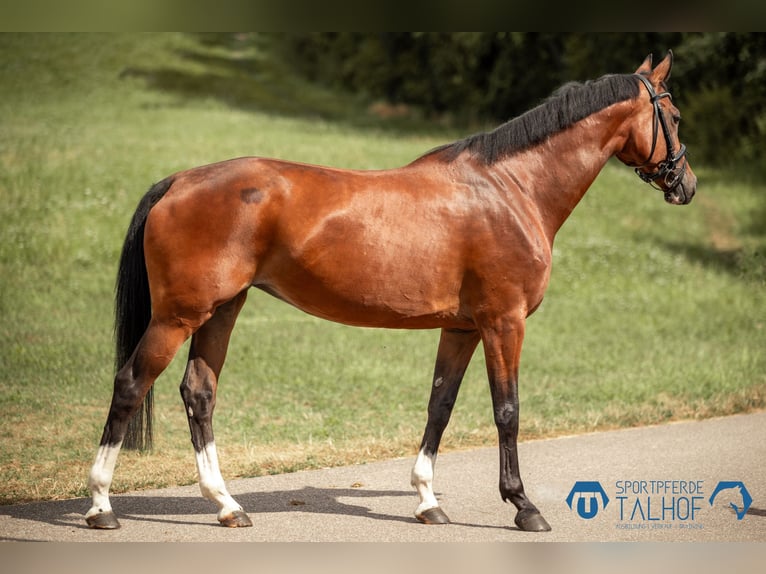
654	313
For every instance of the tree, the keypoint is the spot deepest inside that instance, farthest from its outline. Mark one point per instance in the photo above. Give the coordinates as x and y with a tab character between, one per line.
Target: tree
492	76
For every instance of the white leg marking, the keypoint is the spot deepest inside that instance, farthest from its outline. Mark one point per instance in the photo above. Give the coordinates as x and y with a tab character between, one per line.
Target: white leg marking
101	478
211	482
422	480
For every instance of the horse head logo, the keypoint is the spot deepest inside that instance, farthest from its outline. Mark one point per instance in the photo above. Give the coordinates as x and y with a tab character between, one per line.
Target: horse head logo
738	487
584	488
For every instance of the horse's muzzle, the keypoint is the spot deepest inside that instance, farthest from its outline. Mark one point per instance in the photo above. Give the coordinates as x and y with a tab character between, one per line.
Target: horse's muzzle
683	192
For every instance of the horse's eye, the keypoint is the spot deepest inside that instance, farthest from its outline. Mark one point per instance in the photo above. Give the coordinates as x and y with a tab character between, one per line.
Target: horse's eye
676	119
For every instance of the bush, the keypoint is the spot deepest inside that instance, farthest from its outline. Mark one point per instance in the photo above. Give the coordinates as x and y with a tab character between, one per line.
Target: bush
492	76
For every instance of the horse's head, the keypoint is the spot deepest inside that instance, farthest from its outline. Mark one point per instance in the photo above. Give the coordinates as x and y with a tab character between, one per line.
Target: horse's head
653	146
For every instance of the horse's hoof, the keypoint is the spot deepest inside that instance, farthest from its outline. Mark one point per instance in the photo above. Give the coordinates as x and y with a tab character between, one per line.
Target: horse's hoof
237	519
433	516
103	521
531	521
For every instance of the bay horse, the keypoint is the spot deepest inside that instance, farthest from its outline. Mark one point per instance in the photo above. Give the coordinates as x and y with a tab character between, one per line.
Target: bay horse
460	240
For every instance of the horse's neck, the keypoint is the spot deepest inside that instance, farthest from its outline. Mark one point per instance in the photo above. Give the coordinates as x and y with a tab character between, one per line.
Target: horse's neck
557	173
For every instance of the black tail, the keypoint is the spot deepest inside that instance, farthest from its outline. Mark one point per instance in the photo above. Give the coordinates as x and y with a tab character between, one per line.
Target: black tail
133	310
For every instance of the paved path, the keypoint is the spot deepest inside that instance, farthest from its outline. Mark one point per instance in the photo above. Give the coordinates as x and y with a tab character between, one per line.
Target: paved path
374	502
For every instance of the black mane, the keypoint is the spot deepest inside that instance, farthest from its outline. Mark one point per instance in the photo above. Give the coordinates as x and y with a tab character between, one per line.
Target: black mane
571	103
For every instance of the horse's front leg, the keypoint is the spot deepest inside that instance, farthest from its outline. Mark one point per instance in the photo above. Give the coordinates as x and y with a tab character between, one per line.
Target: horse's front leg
502	339
455	351
198	390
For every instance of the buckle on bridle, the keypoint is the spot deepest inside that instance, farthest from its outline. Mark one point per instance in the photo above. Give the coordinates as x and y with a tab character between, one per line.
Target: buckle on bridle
666	171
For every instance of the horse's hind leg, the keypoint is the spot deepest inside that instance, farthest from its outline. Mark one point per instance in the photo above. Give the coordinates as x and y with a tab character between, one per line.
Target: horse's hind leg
198	390
455	351
154	352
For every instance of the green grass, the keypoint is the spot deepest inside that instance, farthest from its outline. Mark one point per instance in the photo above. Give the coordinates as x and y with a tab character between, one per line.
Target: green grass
654	313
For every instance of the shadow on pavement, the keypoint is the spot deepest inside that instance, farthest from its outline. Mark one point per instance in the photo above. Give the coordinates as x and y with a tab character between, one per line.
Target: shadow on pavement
154	508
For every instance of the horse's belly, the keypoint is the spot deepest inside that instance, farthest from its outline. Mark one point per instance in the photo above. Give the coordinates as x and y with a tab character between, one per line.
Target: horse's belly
352	284
373	257
366	299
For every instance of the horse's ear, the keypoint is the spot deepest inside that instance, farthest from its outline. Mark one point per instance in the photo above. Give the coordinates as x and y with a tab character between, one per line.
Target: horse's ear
646	67
662	72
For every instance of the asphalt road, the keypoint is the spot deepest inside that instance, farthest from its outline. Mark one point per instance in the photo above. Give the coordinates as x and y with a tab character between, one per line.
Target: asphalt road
657	480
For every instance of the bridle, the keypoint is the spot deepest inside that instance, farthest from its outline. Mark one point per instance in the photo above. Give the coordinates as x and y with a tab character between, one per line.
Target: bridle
667	170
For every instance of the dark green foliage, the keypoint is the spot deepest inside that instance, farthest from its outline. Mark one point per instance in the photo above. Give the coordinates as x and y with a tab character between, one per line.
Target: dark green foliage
493	76
725	101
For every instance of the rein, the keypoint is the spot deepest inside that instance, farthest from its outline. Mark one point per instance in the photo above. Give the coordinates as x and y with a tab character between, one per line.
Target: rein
667	169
